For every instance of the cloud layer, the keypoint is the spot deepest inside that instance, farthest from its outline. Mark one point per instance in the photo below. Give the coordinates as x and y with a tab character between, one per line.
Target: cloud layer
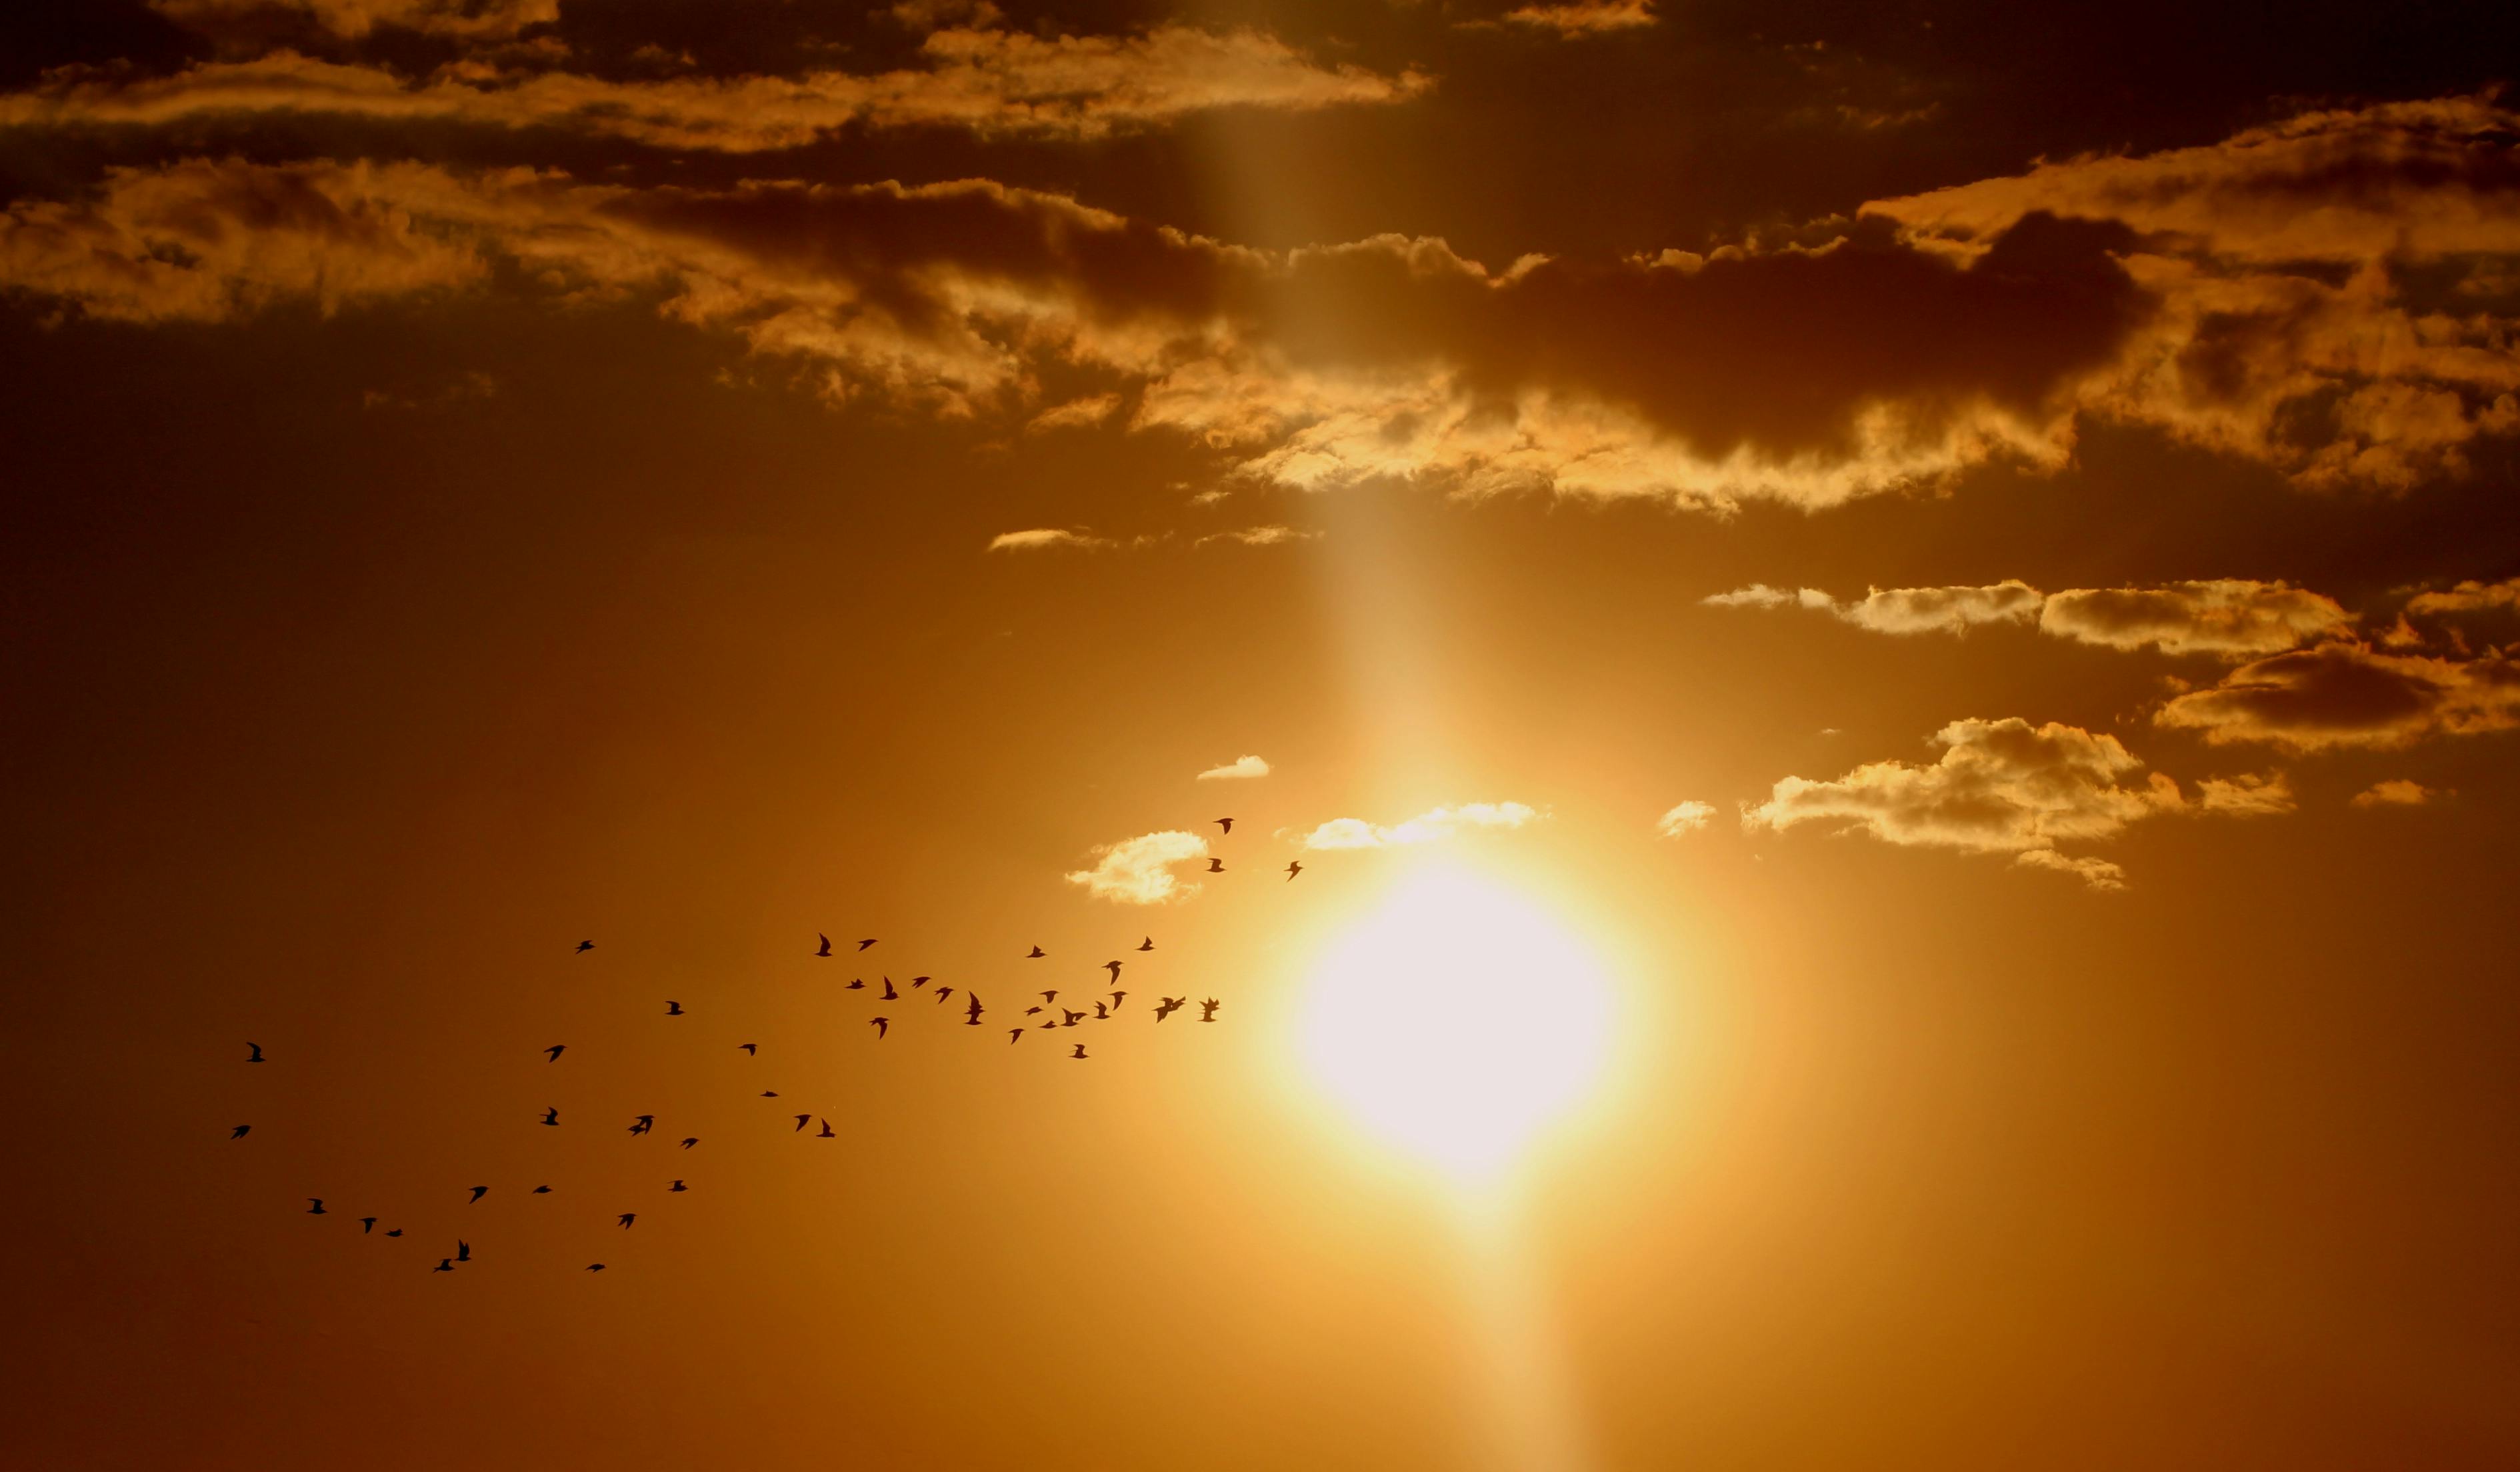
2226	618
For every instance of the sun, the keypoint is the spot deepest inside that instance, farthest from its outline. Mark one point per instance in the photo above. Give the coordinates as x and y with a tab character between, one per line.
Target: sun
1456	1021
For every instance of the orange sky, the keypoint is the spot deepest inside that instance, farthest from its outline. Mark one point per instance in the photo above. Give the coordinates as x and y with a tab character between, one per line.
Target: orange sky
1966	555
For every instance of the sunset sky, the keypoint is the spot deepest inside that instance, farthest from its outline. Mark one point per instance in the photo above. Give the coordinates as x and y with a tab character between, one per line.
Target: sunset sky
1885	640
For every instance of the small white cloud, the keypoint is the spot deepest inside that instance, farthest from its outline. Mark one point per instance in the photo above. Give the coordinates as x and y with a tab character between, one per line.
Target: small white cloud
1138	870
1430	826
1042	538
1239	767
1686	817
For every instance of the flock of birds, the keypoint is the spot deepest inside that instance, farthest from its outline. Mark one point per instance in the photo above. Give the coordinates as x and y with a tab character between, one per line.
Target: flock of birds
1052	1015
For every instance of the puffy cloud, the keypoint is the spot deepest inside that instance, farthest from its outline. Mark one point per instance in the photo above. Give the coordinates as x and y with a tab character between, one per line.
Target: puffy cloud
1139	870
2397	792
1433	826
1999	786
2468	598
1902	610
989	82
2247	795
1684	817
1046	538
1239	768
2351	694
467	19
2297	268
2229	617
1583	18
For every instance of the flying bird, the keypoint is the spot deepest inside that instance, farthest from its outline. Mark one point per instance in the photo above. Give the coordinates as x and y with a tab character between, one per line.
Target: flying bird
673	1008
1216	866
1036	953
678	1185
1080	1051
240	1131
972	1012
753	1048
769	1093
917	982
856	984
627	1217
1149	944
540	1190
556	1049
1114	968
394	1232
803	1120
551	1116
367	1224
644	1124
585	945
861	945
1071	1018
889	995
1168	1006
944	992
463	1250
1031	1012
1116	998
595	1267
1207	1010
317	1209
1226	823
1014	1035
444	1265
1101	1012
257	1052
882	1027
1293	867
826	1131
1049	996
479	1193
826	951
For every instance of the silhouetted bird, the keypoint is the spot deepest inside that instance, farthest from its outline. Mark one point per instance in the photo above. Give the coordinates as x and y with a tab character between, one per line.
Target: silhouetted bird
317	1209
673	1008
395	1232
826	951
1014	1035
861	945
540	1190
678	1187
556	1049
644	1124
944	992
1294	868
463	1250
1216	866
1207	1010
1149	944
1049	996
240	1131
688	1144
803	1120
826	1133
769	1093
1080	1051
1068	1018
1031	1012
1114	968
1036	953
595	1267
444	1265
753	1048
856	984
551	1116
1226	823
479	1193
627	1217
585	945
1168	1006
1047	1026
367	1224
1116	998
972	1012
889	995
917	982
1101	1014
882	1027
257	1052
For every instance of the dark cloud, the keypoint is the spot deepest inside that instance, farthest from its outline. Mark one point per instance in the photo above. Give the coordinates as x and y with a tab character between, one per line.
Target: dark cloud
2352	694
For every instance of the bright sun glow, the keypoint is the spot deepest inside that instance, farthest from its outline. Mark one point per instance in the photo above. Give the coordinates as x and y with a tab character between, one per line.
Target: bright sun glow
1456	1020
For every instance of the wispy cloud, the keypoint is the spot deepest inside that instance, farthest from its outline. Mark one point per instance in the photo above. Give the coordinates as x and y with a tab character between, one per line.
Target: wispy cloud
1046	538
2233	618
1685	817
1433	826
1583	18
1240	768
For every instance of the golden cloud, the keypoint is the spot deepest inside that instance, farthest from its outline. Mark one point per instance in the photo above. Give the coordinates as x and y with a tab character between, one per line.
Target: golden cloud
1139	870
2350	694
1433	826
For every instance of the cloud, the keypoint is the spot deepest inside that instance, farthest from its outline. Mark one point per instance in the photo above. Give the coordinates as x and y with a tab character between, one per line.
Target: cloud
995	83
2228	617
1260	536
2468	598
2350	694
1999	786
1583	18
465	19
1045	537
1075	414
2299	273
1239	768
2397	792
1433	826
1685	817
2246	796
1138	870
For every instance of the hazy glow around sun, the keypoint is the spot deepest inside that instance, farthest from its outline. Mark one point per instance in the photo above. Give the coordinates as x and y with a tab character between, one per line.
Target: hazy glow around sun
1456	1020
